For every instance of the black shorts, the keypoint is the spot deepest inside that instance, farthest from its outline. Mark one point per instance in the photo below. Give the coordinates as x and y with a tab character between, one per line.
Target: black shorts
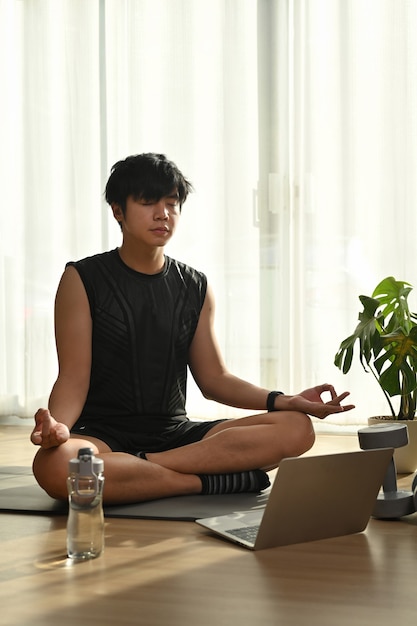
186	432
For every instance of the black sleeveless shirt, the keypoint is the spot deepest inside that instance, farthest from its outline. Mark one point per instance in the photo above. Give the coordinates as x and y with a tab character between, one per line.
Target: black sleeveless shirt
143	326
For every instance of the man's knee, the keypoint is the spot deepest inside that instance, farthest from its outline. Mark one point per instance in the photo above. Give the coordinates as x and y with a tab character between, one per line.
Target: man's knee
50	468
50	465
301	434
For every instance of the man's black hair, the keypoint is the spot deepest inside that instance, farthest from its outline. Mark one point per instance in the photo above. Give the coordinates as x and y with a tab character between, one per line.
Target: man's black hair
148	177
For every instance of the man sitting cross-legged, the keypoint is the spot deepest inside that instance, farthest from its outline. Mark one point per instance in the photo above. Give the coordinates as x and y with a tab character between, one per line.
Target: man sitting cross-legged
128	323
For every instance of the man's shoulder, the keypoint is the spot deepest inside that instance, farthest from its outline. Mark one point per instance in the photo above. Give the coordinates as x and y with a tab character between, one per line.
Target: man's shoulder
184	269
96	259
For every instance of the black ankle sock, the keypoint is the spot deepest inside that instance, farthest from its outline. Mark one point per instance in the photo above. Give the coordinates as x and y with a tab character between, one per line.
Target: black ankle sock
251	481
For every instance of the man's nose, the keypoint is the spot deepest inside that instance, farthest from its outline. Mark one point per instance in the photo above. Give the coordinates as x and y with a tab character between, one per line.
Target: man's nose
161	210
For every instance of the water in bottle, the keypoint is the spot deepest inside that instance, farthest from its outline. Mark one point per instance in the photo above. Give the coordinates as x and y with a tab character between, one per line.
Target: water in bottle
85	527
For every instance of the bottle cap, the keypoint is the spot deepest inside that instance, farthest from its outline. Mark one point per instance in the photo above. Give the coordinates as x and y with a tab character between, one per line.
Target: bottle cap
86	463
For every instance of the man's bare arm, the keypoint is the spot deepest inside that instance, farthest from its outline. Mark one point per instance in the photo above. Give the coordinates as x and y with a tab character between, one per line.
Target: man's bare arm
73	330
217	383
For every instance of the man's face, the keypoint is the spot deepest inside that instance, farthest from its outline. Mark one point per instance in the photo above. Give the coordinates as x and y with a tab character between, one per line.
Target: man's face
152	222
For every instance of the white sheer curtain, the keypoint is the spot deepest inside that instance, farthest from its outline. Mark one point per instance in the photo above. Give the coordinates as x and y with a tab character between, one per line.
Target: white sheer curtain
338	165
295	120
88	83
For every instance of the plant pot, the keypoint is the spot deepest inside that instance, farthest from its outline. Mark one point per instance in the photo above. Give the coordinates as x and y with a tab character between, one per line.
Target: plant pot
406	457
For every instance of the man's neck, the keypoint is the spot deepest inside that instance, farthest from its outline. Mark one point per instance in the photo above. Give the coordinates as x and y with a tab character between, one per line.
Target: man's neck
144	261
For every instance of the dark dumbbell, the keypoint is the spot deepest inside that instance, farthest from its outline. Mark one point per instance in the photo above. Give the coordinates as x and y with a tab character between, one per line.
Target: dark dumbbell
390	503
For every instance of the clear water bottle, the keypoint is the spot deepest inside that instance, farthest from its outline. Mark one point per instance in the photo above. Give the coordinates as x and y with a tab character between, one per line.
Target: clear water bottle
85	527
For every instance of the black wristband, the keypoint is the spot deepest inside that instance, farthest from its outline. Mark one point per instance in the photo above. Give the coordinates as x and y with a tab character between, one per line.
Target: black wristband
271	400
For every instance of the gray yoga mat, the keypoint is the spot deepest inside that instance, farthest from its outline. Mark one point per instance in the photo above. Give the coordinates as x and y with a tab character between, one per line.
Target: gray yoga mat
25	496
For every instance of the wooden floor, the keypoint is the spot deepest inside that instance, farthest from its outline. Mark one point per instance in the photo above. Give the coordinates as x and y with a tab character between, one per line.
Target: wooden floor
170	573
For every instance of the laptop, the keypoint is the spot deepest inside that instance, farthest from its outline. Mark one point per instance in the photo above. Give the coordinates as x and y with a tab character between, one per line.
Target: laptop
312	497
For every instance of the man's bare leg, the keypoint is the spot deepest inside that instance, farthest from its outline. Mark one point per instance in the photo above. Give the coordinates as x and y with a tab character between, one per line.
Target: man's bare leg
257	441
127	478
230	447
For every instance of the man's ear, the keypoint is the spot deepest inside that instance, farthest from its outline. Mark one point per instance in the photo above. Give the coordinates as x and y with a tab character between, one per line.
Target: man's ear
117	212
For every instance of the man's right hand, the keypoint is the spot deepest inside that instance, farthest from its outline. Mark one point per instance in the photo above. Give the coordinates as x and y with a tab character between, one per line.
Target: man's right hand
48	433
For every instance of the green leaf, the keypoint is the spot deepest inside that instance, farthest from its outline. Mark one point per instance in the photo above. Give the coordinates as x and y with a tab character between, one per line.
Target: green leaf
366	334
390	381
393	298
400	359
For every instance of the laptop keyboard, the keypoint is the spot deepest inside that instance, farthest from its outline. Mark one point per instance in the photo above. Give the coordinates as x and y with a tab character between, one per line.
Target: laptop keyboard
248	533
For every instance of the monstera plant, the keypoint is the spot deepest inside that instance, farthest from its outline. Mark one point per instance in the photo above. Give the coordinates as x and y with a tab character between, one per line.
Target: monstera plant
386	338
